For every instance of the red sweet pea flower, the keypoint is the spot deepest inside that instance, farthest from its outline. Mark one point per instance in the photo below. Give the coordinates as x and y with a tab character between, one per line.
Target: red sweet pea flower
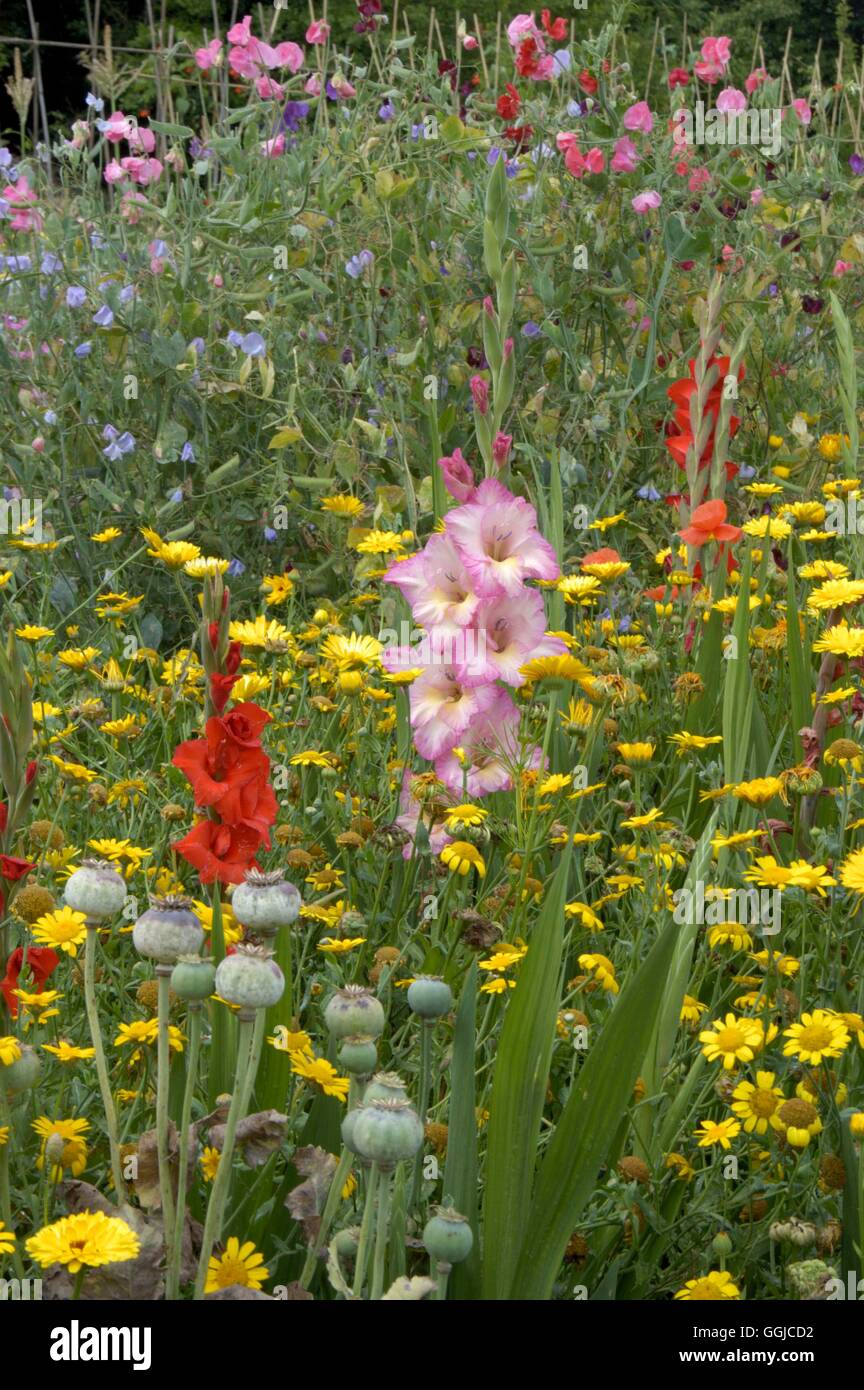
588	83
508	103
678	77
526	58
556	29
222	852
708	523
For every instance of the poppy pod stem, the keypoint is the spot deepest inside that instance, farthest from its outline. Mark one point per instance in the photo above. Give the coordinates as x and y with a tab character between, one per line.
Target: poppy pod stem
172	1283
92	1011
340	1177
163	976
365	1230
382	1233
426	1028
247	1060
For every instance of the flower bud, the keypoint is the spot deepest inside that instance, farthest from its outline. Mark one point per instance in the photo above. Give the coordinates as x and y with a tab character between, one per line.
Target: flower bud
23	1073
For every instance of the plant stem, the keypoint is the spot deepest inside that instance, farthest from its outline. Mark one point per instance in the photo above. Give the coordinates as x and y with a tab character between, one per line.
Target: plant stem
172	1283
381	1233
426	1028
163	976
222	1181
101	1068
5	1194
443	1272
365	1231
340	1177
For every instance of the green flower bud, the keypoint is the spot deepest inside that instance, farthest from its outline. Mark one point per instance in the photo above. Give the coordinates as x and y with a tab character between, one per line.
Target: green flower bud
430	996
354	1011
23	1073
447	1236
722	1244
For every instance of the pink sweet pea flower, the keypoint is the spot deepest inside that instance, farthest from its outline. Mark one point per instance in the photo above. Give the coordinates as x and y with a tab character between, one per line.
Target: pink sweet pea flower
715	59
802	110
312	85
678	77
458	477
113	173
436	584
117	127
142	139
638	117
209	57
755	80
565	140
341	85
318	32
731	99
268	88
841	268
470	43
644	202
699	179
273	148
498	540
524	27
756	196
241	33
578	164
625	156
241	63
142	171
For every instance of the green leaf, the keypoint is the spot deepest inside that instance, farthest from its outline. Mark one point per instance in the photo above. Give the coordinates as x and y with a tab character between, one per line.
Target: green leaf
519	1092
174	132
460	1170
588	1124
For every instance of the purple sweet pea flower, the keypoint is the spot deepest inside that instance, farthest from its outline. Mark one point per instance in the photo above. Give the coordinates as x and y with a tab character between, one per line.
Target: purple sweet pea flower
104	317
76	296
254	345
83	350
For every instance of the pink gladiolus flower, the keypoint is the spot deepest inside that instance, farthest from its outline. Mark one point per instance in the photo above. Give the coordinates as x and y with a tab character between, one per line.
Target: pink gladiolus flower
492	751
442	709
802	110
638	117
507	349
436	585
209	57
458	477
755	80
480	394
318	32
644	202
512	631
501	446
730	99
625	157
117	127
499	542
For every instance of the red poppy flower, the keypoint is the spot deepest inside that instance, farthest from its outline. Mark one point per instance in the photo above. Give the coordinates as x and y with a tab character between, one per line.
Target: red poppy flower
41	961
708	523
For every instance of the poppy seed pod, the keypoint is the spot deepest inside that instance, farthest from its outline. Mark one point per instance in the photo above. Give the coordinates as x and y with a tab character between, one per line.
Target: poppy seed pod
387	1131
192	978
168	929
447	1236
429	996
352	1011
358	1055
348	1125
385	1085
96	889
21	1074
264	902
250	978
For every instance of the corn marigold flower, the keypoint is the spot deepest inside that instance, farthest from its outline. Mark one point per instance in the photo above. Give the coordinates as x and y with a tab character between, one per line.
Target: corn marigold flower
722	1132
732	1040
10	1051
716	1287
67	1052
460	857
86	1240
7	1240
320	1073
209	1161
756	1104
759	791
238	1264
818	1035
63	929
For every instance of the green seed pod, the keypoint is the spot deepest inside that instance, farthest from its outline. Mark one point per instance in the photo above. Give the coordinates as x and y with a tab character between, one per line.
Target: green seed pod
429	996
348	1126
385	1085
346	1242
21	1074
358	1055
447	1236
722	1244
387	1131
96	889
354	1010
264	902
168	929
193	978
251	978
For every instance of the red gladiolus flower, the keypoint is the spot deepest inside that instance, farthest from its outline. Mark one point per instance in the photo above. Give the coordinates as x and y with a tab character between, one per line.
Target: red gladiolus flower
41	960
4	816
220	690
222	852
708	523
12	869
508	103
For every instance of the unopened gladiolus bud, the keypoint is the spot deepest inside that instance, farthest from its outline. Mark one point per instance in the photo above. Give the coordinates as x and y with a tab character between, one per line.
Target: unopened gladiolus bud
501	448
480	394
508	348
488	306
